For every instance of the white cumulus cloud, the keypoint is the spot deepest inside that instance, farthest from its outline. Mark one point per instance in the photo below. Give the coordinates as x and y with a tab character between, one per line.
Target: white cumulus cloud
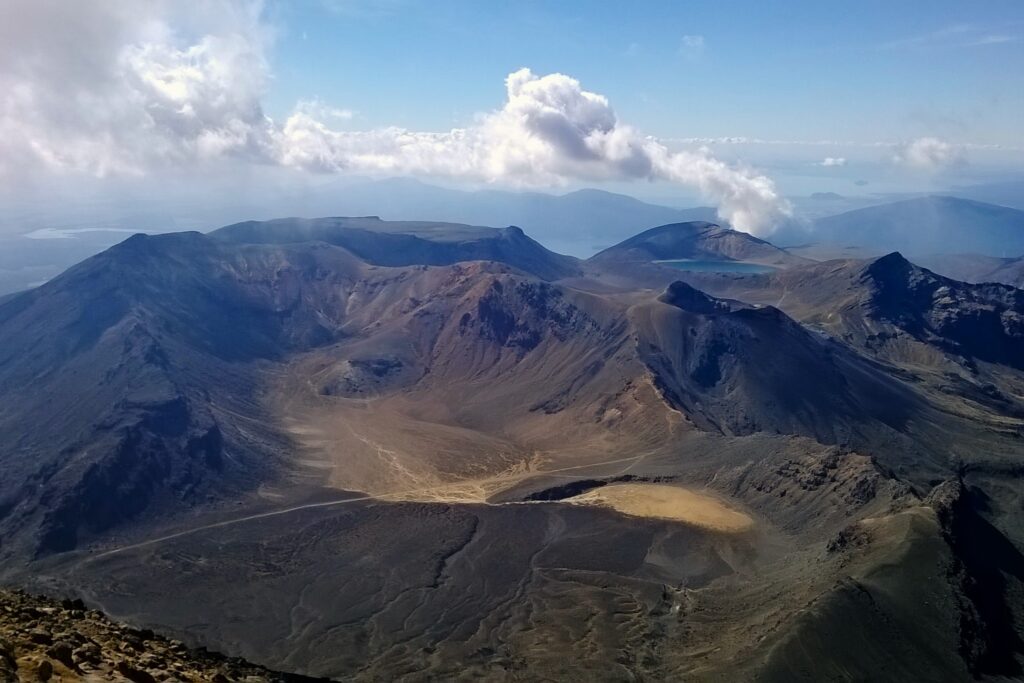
833	161
549	130
928	153
121	87
127	87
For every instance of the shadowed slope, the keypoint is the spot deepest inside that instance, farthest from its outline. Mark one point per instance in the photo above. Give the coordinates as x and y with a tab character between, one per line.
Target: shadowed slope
121	380
742	370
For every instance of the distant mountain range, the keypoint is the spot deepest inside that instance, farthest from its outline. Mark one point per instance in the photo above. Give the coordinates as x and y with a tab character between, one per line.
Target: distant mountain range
587	221
323	431
1005	193
407	243
155	347
578	223
924	226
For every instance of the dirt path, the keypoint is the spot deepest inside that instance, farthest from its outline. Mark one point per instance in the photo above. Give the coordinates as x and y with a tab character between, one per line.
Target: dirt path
401	495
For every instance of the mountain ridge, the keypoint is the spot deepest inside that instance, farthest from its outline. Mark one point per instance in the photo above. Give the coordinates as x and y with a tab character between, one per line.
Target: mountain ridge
404	243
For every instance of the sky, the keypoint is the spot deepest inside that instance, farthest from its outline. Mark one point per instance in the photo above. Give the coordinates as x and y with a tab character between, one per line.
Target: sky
743	105
815	70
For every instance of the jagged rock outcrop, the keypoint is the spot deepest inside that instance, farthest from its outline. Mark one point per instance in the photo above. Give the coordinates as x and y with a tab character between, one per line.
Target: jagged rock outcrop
43	639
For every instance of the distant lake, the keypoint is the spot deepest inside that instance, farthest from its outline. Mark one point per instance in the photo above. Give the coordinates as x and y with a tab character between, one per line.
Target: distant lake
718	266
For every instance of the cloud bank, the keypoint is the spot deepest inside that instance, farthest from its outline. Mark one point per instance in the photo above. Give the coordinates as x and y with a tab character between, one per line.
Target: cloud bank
123	87
549	130
134	87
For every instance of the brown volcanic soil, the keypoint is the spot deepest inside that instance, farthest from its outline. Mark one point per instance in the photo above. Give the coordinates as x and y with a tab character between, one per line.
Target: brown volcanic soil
371	590
490	376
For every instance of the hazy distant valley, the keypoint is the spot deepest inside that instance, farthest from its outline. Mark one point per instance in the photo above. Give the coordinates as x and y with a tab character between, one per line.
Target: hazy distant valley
956	236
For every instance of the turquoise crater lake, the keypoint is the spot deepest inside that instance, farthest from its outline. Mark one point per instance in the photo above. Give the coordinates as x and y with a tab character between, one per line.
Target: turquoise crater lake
718	266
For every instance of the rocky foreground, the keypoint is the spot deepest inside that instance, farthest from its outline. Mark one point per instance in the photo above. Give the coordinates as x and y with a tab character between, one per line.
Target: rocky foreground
47	640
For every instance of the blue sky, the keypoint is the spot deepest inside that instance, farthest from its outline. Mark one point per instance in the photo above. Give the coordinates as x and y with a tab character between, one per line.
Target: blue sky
864	72
738	104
